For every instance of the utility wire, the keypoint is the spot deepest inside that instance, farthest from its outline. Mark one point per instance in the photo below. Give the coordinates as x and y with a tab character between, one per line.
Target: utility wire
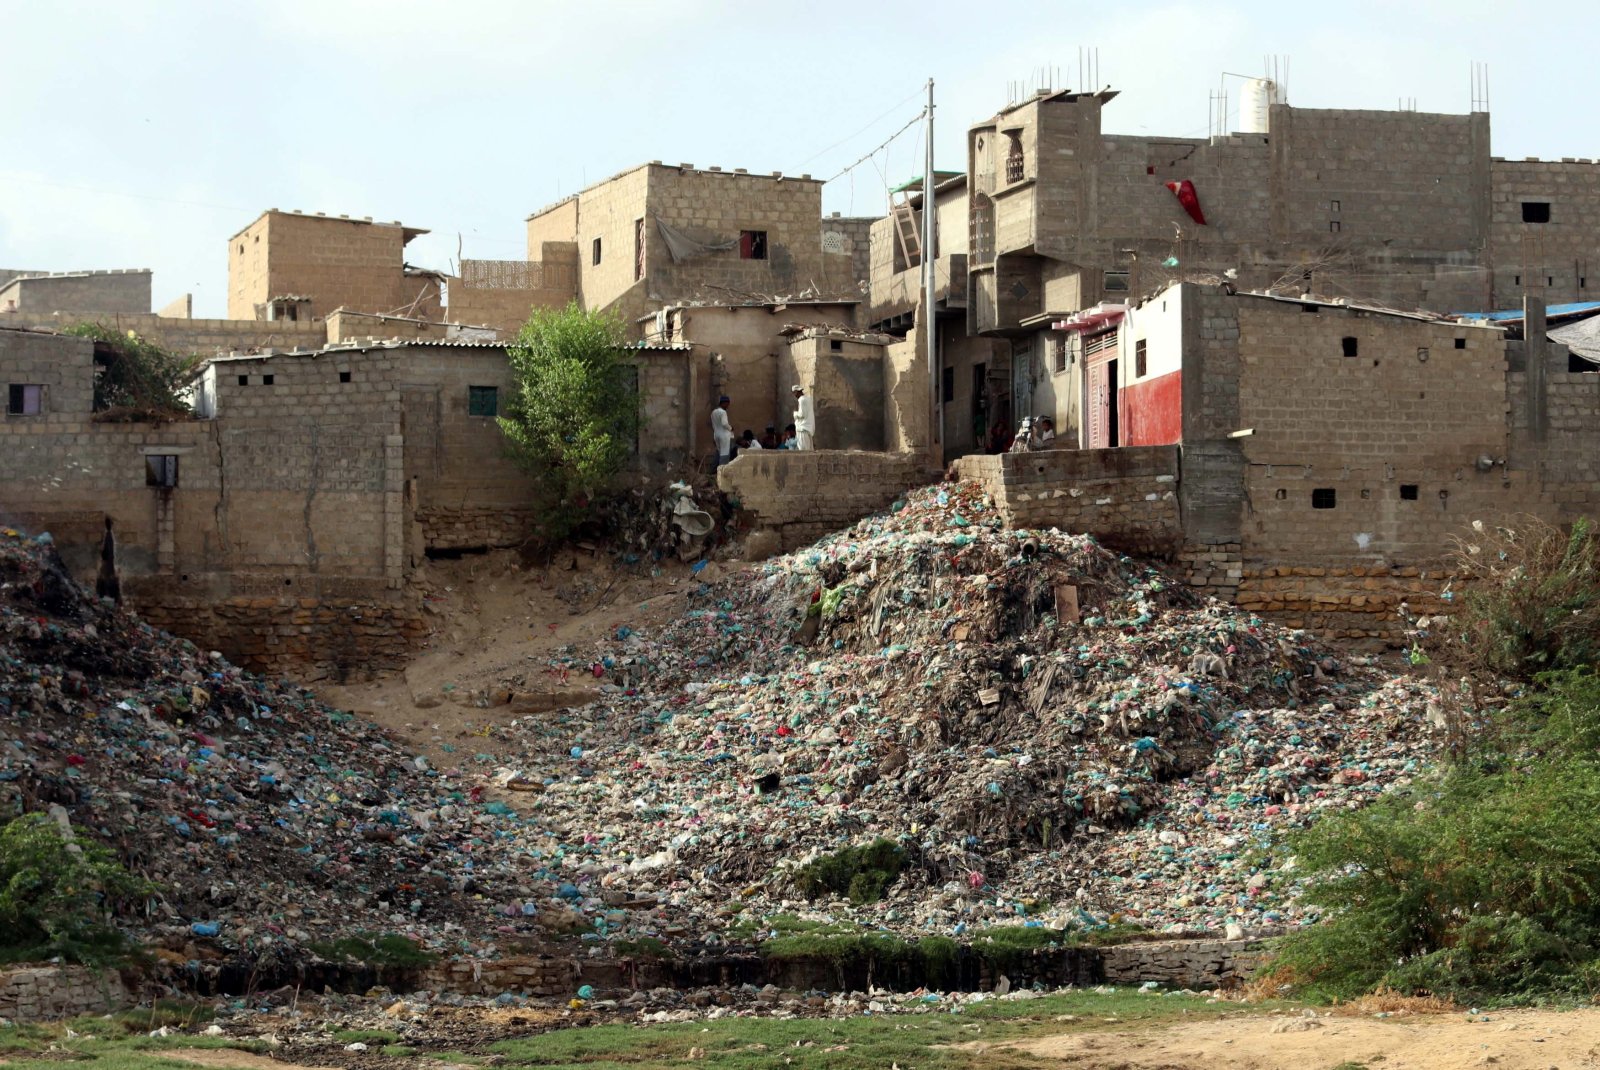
878	148
851	137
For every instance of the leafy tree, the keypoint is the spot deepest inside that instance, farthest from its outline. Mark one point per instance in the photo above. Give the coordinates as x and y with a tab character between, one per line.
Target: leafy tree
57	895
135	379
573	418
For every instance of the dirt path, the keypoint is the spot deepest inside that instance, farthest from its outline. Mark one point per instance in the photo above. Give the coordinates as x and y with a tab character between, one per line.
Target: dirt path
1516	1040
497	625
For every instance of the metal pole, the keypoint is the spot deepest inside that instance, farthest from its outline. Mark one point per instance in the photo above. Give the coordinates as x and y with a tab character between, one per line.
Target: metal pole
929	321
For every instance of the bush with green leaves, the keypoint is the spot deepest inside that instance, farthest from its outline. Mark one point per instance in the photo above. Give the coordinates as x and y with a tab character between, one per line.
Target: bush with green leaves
1479	884
135	379
58	895
573	417
863	873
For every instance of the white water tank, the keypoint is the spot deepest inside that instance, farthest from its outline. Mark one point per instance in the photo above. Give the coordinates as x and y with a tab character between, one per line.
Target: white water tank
1255	110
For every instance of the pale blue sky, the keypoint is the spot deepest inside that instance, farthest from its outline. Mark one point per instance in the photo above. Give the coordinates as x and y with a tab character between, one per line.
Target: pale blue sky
142	133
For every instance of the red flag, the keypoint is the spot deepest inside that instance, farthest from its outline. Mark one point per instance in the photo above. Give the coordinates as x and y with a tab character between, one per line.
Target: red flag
1184	191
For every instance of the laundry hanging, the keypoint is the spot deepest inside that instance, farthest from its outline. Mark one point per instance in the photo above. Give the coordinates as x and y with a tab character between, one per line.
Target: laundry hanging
1184	191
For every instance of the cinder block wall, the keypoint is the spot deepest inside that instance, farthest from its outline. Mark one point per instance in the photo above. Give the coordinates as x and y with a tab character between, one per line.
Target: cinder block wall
804	495
1126	498
78	292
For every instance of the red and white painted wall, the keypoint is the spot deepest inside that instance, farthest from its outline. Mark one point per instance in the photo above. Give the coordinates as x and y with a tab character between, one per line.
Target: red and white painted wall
1150	394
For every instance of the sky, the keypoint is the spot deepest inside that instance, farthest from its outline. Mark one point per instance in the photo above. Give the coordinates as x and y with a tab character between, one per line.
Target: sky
145	134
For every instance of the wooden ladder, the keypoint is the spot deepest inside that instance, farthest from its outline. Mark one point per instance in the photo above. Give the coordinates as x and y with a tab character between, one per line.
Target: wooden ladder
906	230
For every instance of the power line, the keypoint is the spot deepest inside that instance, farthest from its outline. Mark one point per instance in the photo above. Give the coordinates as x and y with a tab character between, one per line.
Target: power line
878	148
896	106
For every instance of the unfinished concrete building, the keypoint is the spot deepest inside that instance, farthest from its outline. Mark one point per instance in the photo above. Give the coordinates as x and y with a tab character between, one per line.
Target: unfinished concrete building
293	266
657	235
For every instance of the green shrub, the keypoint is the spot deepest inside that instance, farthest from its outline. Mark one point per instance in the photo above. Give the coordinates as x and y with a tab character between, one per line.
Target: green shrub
385	951
133	378
862	873
58	895
1478	884
1530	602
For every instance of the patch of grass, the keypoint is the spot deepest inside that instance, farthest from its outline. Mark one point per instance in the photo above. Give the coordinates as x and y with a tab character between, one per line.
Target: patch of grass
366	1036
862	873
387	950
927	1041
643	947
396	1051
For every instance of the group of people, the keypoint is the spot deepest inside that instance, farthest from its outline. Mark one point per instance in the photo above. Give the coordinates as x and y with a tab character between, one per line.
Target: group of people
1036	433
796	436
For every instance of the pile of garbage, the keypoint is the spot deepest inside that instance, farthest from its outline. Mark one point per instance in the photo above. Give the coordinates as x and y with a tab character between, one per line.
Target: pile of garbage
267	819
1052	731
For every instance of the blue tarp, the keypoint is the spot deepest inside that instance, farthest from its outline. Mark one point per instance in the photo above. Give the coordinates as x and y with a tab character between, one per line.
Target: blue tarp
1551	312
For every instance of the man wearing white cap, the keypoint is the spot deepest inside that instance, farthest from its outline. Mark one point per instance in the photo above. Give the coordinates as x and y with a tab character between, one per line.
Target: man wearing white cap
805	421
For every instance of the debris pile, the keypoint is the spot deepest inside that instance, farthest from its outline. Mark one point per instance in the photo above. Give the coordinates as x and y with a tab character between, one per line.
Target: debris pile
1048	732
269	820
1051	730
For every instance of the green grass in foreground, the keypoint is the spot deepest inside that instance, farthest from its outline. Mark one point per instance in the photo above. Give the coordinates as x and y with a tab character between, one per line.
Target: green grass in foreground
916	1042
932	1041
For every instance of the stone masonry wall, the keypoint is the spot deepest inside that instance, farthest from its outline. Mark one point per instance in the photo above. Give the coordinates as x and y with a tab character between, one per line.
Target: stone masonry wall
1126	498
36	993
802	496
1197	964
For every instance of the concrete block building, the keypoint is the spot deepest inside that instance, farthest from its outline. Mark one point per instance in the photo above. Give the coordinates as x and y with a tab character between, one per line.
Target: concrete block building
280	524
659	234
292	266
75	292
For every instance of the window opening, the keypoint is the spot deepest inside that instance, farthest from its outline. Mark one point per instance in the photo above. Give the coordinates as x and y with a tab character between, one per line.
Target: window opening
1461	343
1348	344
244	380
26	399
267	380
1516	280
161	470
1140	363
1324	498
1014	160
638	249
1333	226
947	385
595	251
1061	354
752	245
1116	281
483	401
1333	206
1408	492
1536	211
835	345
344	377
